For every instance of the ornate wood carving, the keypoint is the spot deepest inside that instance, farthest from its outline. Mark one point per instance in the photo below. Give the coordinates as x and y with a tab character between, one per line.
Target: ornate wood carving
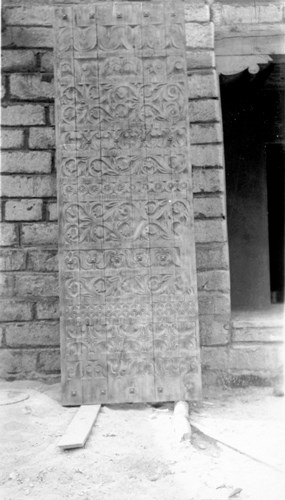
235	64
127	259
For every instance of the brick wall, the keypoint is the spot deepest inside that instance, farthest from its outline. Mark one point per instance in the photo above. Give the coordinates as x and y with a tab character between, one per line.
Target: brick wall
29	289
28	255
209	191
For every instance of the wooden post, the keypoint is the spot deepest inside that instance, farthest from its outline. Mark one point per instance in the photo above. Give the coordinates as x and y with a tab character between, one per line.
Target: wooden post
181	422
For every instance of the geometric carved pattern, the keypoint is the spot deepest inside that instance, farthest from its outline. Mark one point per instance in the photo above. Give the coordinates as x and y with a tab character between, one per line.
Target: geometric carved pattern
127	259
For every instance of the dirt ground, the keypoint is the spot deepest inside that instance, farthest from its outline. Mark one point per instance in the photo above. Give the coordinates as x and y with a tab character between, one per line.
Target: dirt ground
133	453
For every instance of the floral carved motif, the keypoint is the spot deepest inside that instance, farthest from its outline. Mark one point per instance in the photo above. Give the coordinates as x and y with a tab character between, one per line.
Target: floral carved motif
128	285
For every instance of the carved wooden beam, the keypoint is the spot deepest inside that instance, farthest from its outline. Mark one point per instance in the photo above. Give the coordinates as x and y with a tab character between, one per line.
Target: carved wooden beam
246	46
231	65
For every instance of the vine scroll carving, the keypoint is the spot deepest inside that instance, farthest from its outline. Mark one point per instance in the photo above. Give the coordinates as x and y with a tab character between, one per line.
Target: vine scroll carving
129	329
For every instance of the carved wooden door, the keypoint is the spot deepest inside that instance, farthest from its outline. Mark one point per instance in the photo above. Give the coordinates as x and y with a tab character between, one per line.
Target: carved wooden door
129	329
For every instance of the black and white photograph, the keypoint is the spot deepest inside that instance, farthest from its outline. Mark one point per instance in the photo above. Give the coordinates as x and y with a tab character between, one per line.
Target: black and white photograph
142	250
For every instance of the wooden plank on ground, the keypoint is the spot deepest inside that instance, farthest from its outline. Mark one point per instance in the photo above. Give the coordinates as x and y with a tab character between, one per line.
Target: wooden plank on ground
80	427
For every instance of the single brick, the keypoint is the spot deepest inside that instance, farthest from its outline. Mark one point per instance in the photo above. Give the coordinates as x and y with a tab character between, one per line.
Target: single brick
23	114
47	309
256	357
29	15
196	12
23	210
11	138
211	155
7	285
207	110
199	36
42	260
6	38
1	336
11	310
33	285
34	186
212	256
216	280
18	60
3	88
12	259
209	180
51	115
27	359
52	211
214	303
209	207
47	61
8	234
215	358
42	233
42	138
205	132
29	37
6	363
49	361
200	59
203	85
31	86
45	333
210	231
26	162
17	362
214	329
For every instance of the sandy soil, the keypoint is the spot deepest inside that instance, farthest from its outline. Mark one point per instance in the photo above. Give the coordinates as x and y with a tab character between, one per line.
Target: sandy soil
133	454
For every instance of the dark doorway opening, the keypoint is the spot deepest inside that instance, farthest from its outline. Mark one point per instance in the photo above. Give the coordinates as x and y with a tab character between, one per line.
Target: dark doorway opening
275	166
253	119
